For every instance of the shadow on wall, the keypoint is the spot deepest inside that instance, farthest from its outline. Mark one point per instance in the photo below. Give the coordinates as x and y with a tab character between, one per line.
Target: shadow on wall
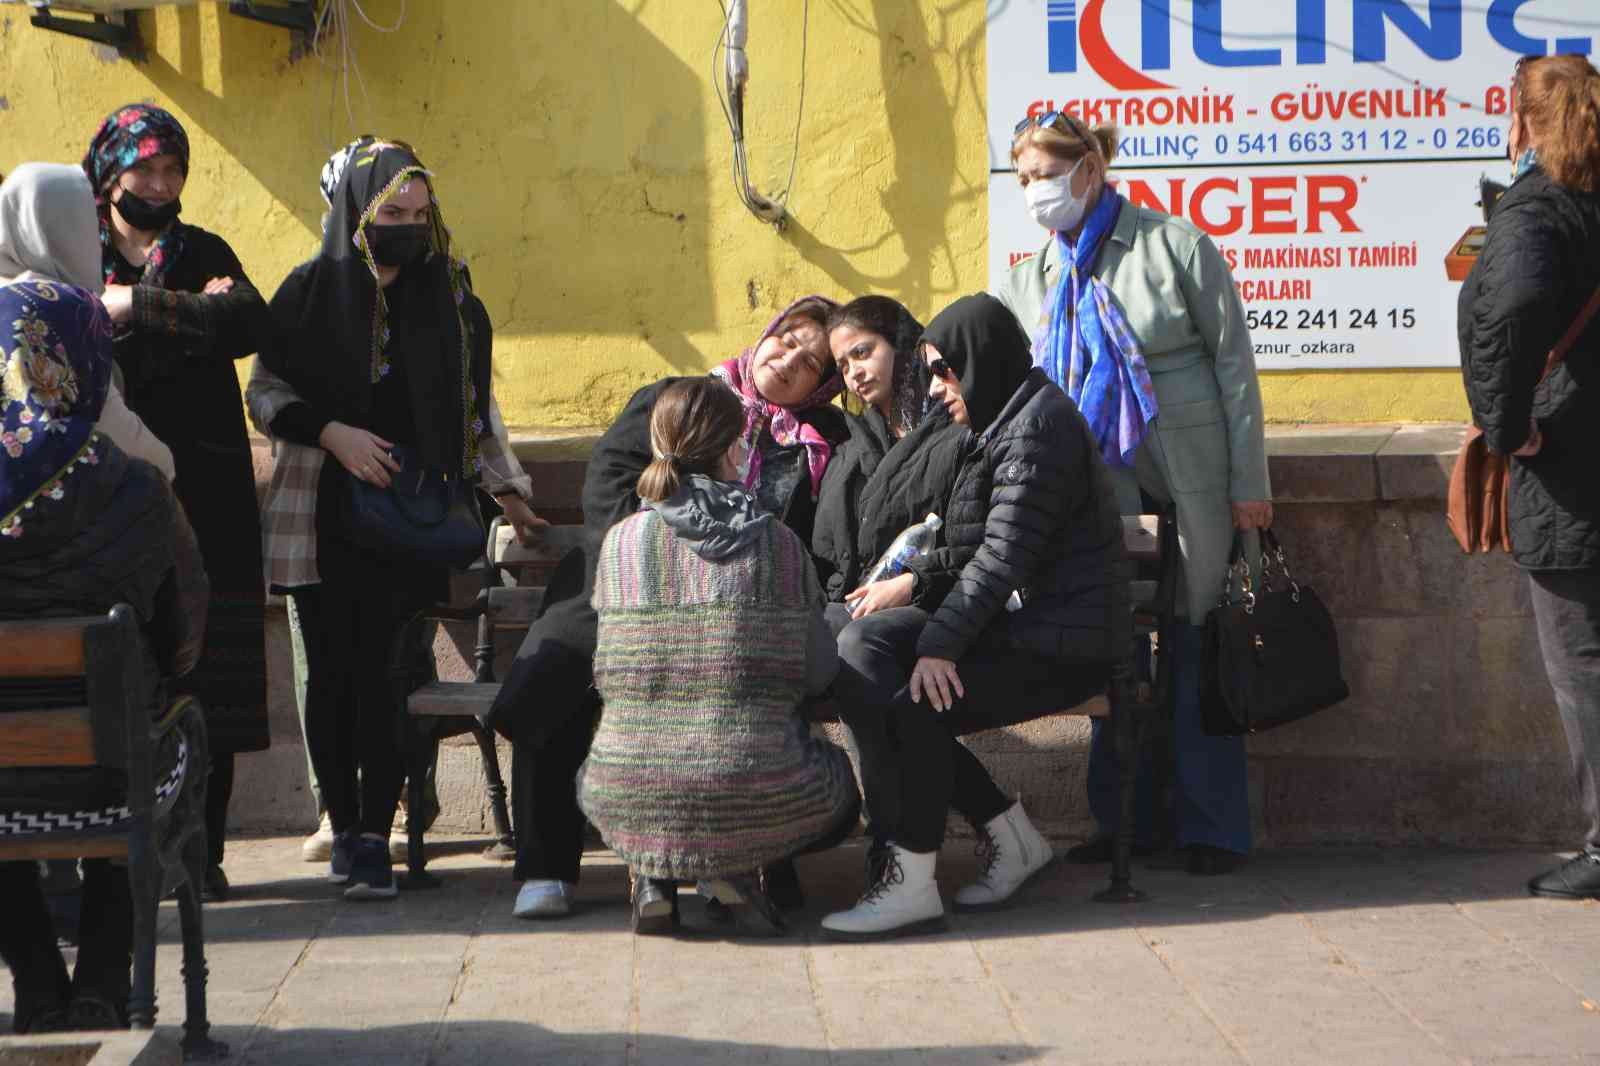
571	128
919	122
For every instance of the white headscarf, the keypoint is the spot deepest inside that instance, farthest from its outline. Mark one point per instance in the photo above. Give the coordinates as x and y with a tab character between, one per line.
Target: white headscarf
48	227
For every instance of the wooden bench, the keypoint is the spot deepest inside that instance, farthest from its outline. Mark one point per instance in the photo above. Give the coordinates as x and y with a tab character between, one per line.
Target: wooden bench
514	579
69	699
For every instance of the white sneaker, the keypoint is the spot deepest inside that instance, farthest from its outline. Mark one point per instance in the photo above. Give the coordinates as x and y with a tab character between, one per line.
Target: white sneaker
543	899
902	899
318	847
1012	851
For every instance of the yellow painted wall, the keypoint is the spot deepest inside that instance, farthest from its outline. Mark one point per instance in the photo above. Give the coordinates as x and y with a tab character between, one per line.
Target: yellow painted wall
583	164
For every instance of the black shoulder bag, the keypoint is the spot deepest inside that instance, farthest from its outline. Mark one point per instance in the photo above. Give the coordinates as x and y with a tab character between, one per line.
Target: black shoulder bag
1271	656
424	516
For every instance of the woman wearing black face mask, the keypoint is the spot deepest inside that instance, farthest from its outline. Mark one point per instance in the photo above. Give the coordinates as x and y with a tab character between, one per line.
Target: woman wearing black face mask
385	351
184	310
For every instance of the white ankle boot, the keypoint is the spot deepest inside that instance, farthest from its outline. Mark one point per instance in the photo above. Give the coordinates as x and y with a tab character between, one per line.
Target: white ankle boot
1012	851
902	899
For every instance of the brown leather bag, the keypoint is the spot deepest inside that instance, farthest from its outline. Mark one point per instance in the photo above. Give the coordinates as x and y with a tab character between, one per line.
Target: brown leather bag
1480	484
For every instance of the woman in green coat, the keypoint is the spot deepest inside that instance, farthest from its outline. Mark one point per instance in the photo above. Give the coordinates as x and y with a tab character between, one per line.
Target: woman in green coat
1134	313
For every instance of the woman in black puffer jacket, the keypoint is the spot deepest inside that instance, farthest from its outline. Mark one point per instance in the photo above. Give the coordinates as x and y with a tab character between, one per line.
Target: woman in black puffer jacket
1539	269
1021	611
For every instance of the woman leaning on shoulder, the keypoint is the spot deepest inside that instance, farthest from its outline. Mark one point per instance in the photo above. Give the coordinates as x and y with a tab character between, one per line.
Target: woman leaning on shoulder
1135	315
1539	269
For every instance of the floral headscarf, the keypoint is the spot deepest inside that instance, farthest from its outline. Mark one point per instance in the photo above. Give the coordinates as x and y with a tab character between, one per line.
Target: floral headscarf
55	368
127	136
780	421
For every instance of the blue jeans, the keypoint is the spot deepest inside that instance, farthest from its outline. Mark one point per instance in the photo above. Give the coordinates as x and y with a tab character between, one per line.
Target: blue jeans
1213	790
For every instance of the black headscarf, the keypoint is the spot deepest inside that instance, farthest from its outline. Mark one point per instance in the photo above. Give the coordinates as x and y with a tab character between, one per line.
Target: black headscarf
985	346
338	332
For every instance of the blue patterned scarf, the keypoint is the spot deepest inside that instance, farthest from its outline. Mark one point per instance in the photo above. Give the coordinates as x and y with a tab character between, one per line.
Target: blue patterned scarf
1088	348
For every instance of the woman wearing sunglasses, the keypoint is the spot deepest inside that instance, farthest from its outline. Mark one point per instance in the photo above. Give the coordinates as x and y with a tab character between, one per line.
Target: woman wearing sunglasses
1020	611
1135	315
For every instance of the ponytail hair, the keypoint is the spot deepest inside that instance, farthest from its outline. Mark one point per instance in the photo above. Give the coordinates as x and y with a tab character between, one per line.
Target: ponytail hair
692	425
1559	98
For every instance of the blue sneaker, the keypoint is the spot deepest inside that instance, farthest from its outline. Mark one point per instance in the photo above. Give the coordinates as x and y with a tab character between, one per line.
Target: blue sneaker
342	855
371	872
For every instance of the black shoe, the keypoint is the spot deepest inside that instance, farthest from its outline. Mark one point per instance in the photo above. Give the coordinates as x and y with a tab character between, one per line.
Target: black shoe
781	882
342	856
1207	861
371	871
1577	878
1098	849
214	888
744	891
92	1012
655	906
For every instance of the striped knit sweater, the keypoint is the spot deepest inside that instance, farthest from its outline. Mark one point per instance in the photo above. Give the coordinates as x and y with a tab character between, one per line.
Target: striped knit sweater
702	766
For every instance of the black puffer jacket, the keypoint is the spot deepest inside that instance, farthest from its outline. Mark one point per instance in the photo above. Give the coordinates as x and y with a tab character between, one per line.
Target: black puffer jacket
875	487
1539	266
1031	511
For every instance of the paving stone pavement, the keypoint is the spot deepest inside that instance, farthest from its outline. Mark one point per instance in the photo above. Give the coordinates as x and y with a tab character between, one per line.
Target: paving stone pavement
1304	956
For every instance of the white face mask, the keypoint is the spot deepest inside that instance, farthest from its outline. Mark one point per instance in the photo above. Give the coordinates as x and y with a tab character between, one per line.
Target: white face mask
1052	203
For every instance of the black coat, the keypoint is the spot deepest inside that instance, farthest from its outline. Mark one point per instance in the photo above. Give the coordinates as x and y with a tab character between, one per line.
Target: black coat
179	377
1031	511
1540	264
610	494
875	487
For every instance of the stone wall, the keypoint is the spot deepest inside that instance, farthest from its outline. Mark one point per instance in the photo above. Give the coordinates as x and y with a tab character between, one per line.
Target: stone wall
1450	734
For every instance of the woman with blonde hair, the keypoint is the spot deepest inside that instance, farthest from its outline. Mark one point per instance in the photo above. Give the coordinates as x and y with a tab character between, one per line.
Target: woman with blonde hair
1535	286
1134	314
710	637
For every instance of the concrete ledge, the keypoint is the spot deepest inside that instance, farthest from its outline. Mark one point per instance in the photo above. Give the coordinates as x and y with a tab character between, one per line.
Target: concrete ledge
90	1049
1348	464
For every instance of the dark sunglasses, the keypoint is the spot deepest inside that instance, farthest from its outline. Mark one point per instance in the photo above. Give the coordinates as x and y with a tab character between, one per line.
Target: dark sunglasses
941	369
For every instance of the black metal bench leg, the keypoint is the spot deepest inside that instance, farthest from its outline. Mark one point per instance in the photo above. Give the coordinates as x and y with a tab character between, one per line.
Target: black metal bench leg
197	1042
504	847
1125	722
144	885
419	750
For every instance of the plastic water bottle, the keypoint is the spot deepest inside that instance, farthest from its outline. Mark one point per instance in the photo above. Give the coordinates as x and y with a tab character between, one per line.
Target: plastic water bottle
911	543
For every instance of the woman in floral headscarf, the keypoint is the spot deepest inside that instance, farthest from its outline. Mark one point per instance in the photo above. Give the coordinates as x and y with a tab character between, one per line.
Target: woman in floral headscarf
184	310
83	527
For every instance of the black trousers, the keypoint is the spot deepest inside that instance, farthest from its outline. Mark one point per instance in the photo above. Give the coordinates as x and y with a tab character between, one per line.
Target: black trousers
554	727
914	768
1566	606
219	790
353	721
28	939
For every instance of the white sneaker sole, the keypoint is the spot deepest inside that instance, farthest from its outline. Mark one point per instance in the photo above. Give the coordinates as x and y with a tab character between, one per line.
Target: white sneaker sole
316	851
361	892
921	926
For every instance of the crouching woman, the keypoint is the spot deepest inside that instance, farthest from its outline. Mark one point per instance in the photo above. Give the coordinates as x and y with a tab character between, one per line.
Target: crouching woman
702	768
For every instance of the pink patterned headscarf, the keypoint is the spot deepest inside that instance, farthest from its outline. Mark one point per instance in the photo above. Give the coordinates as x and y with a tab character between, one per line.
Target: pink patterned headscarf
780	421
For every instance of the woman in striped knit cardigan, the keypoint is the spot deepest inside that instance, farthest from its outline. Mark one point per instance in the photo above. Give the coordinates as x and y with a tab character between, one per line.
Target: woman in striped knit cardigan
702	768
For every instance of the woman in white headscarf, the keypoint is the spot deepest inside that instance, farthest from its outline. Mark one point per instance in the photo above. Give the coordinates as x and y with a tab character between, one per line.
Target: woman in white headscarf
49	232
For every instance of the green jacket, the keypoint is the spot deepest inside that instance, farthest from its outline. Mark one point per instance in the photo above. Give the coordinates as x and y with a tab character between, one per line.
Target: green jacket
1207	449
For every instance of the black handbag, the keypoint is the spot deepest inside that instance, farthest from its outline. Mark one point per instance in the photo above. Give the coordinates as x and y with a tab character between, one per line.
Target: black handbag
424	516
1271	656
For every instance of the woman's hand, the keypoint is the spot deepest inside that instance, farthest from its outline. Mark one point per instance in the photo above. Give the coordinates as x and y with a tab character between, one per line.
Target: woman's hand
880	595
937	678
365	455
1252	514
119	302
218	286
529	526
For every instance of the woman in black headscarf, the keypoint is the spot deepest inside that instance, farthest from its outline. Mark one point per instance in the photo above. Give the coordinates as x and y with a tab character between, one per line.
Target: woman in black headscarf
1019	612
388	351
184	311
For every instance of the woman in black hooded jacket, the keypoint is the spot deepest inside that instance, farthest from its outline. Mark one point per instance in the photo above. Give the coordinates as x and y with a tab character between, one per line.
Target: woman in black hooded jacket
1021	610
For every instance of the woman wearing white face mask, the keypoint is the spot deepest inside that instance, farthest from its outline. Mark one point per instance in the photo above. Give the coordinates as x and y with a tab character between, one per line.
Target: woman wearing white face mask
1134	314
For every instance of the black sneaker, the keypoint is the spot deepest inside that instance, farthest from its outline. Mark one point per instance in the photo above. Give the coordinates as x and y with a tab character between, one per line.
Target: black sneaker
339	859
1207	861
1577	878
371	871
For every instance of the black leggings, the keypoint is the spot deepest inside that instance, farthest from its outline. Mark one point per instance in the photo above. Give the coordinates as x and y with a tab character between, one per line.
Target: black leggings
353	721
28	939
913	767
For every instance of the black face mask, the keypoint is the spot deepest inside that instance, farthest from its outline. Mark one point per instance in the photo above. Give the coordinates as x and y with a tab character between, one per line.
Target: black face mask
141	214
397	246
